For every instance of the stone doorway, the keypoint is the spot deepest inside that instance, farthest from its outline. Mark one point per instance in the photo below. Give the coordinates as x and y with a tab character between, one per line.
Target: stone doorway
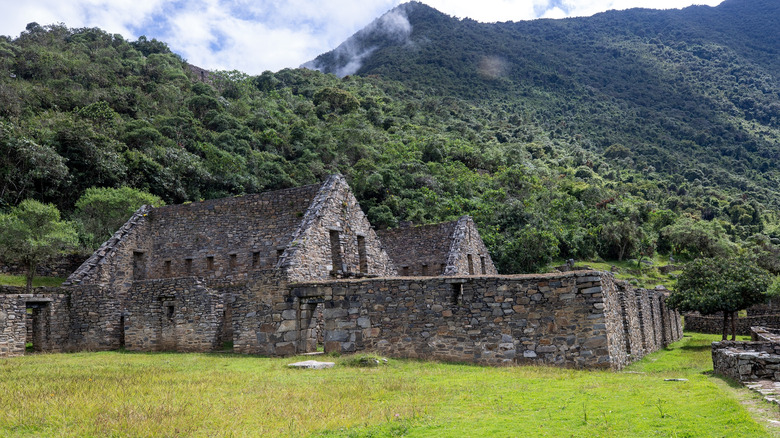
311	325
38	326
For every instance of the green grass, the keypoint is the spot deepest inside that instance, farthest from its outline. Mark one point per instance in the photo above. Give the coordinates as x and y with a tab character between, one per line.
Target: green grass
167	394
20	280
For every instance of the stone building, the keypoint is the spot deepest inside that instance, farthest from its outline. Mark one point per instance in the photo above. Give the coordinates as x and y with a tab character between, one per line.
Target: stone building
449	248
277	273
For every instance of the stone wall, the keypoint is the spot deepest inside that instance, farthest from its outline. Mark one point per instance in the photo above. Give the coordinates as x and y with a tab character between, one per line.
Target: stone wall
632	322
50	322
449	248
747	361
420	250
335	239
176	314
468	254
570	319
258	308
225	238
714	323
96	318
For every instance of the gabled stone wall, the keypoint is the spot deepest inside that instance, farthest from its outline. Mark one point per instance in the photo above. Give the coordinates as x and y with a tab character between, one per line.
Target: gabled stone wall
449	248
468	254
332	236
419	251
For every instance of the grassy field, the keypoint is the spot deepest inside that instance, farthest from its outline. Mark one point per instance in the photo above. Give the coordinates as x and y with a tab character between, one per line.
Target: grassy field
166	394
20	280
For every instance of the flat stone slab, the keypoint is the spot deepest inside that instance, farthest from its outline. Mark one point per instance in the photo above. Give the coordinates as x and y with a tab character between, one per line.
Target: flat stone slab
312	364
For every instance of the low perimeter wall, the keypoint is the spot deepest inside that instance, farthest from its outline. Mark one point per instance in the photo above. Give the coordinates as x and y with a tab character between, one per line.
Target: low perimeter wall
572	319
747	361
714	324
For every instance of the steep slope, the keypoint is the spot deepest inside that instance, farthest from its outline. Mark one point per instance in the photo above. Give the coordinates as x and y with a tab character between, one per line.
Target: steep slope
693	92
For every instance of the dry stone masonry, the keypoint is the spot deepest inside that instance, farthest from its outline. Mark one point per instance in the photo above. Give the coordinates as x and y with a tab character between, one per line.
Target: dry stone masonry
280	272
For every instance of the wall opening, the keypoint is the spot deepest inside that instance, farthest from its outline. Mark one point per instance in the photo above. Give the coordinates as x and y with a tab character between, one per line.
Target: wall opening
188	266
335	251
170	310
122	331
471	264
405	271
210	263
226	338
483	264
310	323
139	266
279	253
425	270
256	259
233	262
37	326
443	268
363	259
167	267
457	294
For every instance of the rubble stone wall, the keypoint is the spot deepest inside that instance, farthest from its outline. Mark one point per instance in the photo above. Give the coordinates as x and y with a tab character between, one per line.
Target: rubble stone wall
569	319
335	231
714	323
632	322
225	238
95	316
176	314
420	250
49	315
747	361
468	254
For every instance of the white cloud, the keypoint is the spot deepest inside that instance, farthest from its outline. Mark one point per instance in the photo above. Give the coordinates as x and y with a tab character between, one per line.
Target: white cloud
258	35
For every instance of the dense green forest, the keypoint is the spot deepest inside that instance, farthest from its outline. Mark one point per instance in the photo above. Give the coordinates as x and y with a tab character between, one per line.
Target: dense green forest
551	165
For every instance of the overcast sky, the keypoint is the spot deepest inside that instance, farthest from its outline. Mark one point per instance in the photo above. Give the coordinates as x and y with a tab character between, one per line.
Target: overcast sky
258	35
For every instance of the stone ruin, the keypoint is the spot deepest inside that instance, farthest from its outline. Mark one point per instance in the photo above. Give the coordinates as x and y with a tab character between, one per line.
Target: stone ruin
285	272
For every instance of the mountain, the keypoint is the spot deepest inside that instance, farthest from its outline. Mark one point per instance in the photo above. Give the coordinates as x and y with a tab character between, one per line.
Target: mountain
693	93
580	138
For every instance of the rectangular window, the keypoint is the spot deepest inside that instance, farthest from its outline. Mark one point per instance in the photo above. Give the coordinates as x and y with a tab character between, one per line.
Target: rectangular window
170	310
363	259
167	267
233	262
443	268
335	251
425	270
139	270
471	264
256	259
457	294
210	263
482	263
279	254
405	271
188	266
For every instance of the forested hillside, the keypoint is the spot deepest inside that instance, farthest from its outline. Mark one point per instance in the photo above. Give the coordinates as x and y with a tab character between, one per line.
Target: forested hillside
693	92
81	108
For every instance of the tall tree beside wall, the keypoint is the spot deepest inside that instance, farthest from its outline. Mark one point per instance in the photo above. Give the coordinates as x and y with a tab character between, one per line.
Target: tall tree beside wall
33	233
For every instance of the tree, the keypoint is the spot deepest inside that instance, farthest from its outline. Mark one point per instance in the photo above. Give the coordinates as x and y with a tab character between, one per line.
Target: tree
33	233
721	284
101	211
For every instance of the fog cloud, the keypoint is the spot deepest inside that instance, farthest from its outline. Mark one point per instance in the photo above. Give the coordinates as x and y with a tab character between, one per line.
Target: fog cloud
257	35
